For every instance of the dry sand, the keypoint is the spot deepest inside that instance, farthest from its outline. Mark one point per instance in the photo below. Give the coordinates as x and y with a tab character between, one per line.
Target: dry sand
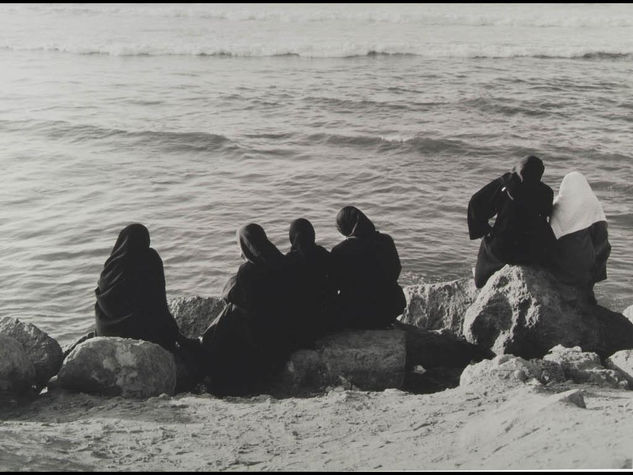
521	428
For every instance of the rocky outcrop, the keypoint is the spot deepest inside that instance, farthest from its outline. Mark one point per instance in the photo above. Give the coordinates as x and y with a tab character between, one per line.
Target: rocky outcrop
371	360
584	367
505	371
525	311
195	314
622	362
115	366
439	306
43	351
17	373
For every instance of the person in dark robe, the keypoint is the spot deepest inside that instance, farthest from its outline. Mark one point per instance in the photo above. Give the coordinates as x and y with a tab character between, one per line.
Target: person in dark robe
132	301
312	292
365	271
250	339
521	234
580	226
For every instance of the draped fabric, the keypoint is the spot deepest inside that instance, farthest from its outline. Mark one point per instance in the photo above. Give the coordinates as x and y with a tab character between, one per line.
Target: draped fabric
131	297
312	294
576	207
365	271
579	222
250	339
521	233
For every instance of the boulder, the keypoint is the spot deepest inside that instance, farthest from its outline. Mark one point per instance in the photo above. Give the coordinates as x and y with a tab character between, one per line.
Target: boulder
115	366
622	362
584	367
17	372
439	306
195	314
525	311
371	360
43	351
505	371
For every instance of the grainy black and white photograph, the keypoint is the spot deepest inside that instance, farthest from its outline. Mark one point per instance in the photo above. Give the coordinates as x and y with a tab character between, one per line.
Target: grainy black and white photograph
316	237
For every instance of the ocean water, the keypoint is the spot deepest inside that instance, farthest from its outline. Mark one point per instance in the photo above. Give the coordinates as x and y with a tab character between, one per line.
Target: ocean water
197	119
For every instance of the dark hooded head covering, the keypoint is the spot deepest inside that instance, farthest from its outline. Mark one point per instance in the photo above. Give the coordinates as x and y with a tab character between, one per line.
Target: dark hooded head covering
530	169
256	248
351	221
131	246
302	236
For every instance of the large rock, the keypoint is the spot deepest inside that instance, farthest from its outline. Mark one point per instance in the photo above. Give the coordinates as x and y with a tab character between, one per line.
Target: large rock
439	306
628	312
115	366
17	373
195	314
584	367
506	371
43	351
371	360
525	311
622	362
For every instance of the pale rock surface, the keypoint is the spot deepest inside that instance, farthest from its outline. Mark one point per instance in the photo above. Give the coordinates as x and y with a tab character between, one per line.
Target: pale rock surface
115	366
439	306
43	351
622	362
505	371
585	367
195	314
17	373
628	312
371	360
525	311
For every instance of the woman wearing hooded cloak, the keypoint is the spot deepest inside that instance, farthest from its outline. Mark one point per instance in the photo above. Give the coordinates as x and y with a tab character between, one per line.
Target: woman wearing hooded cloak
132	302
580	226
250	338
521	234
312	291
365	271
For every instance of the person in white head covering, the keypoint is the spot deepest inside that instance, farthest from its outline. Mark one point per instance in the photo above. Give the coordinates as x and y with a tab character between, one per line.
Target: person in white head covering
580	226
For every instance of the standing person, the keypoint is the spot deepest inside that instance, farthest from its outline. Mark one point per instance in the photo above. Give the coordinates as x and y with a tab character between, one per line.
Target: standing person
365	271
580	226
132	301
313	294
521	234
250	338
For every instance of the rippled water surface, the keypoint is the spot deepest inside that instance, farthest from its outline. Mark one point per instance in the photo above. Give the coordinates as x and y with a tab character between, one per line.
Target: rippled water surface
198	119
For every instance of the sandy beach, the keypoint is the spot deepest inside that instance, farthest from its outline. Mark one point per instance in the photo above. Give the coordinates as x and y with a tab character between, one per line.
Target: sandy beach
463	428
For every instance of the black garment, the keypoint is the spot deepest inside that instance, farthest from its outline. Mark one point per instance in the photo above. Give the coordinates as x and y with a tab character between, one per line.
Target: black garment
131	298
312	293
521	233
580	258
365	270
250	339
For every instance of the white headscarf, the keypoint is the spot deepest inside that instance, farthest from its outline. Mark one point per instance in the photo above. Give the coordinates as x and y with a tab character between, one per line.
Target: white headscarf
576	207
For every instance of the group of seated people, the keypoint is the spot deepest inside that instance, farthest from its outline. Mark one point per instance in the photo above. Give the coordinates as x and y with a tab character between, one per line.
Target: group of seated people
276	303
567	235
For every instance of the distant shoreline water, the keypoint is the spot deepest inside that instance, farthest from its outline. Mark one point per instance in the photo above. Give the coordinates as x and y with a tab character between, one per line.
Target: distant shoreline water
427	104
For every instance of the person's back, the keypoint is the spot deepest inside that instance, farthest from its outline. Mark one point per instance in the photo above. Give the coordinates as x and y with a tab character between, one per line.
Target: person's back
310	286
521	233
580	226
365	270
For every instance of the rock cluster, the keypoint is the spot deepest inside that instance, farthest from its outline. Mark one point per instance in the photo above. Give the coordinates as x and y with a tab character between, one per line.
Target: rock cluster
525	311
43	352
17	373
559	365
114	366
